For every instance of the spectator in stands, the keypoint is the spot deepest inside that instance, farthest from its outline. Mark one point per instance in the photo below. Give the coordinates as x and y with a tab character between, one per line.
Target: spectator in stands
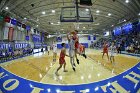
132	48
6	55
1	56
24	51
119	48
18	52
48	47
12	54
138	49
15	53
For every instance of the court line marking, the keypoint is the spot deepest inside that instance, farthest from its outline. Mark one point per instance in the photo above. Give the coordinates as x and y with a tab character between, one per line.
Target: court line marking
67	84
101	65
85	83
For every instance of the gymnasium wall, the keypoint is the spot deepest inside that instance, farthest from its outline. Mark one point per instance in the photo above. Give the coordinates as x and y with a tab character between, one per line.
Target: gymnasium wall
1	33
49	41
83	39
16	34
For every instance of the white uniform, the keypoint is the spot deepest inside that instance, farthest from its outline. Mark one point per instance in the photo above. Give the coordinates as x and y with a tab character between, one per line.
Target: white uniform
54	48
71	47
112	48
48	47
71	52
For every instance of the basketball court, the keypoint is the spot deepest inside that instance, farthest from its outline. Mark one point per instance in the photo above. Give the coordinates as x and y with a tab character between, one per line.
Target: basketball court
39	67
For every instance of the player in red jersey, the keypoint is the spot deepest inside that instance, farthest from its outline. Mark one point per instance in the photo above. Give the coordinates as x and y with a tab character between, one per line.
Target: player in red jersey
62	59
76	39
105	50
81	49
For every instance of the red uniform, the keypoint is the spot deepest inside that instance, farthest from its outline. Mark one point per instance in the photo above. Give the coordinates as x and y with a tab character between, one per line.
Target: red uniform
105	48
81	48
75	37
62	58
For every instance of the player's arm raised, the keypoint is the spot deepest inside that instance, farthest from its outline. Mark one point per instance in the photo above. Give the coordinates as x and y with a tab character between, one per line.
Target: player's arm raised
68	37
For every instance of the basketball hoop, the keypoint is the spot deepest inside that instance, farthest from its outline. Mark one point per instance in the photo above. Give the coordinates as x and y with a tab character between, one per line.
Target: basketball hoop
68	14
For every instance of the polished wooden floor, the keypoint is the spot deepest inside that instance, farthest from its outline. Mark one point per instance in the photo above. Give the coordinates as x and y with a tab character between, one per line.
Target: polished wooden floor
40	67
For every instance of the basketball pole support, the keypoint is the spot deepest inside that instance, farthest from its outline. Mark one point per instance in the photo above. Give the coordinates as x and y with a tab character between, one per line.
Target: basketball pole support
77	10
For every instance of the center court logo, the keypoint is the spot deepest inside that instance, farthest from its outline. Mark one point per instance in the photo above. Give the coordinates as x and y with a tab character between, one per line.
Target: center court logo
127	82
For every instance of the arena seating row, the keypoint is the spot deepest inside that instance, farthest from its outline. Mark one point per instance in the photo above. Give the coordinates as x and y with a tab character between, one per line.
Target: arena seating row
10	51
17	53
129	43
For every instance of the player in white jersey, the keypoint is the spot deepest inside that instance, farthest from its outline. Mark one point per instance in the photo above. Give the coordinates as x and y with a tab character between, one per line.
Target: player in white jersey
54	51
112	52
71	50
48	47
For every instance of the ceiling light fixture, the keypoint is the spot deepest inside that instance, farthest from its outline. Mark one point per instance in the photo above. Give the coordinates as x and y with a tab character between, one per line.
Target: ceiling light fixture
87	9
109	14
97	11
126	1
53	11
6	8
37	19
43	12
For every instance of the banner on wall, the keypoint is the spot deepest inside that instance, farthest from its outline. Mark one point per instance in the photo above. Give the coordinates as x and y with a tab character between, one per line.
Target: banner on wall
6	30
19	24
13	21
94	37
27	33
28	28
42	37
10	33
89	37
1	18
18	33
59	39
15	33
7	19
36	38
27	38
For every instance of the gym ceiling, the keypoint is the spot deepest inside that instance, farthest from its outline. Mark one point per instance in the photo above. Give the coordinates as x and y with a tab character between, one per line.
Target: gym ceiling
45	14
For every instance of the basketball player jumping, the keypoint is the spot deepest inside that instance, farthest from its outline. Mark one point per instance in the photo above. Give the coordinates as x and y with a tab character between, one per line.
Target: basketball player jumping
71	50
76	39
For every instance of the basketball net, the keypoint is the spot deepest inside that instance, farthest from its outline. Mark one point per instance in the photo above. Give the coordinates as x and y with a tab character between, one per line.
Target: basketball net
76	25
